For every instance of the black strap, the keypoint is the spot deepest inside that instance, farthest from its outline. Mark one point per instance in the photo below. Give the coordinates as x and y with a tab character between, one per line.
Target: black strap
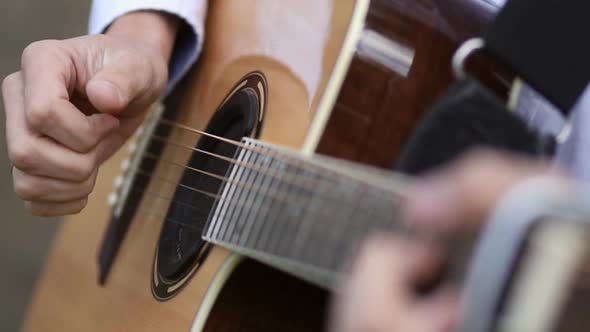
546	43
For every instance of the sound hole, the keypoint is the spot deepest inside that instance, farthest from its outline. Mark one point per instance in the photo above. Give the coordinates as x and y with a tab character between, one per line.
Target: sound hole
180	240
180	247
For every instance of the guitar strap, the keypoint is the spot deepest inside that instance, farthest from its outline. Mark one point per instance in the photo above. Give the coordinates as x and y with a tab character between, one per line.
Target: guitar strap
544	42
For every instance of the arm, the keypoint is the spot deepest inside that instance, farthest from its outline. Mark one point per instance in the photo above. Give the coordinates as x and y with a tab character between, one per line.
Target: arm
190	17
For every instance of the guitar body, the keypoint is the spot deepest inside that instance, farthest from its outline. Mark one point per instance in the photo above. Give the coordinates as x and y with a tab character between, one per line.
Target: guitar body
323	87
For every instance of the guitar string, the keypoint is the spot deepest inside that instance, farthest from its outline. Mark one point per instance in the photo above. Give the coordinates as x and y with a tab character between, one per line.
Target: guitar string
233	202
255	149
284	196
239	144
273	173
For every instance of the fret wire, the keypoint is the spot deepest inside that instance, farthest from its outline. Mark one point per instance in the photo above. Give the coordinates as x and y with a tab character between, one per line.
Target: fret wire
339	214
254	215
281	221
241	218
287	247
247	198
264	227
241	177
243	199
268	242
306	252
392	221
339	247
290	221
227	196
299	241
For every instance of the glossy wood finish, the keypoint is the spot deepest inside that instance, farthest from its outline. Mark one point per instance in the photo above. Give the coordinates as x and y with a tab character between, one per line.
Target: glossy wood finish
259	298
374	113
377	108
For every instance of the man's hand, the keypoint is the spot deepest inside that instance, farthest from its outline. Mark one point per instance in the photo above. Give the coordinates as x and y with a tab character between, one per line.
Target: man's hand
75	102
380	293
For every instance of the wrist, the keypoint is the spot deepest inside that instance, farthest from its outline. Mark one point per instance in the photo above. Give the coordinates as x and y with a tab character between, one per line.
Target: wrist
155	29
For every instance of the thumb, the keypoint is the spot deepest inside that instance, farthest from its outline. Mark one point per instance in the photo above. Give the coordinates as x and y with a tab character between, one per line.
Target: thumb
126	85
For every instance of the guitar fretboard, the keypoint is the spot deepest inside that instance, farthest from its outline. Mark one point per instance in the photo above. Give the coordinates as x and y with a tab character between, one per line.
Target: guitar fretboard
297	213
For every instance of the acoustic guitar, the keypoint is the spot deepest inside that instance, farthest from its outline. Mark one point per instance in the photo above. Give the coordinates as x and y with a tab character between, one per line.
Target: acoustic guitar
246	159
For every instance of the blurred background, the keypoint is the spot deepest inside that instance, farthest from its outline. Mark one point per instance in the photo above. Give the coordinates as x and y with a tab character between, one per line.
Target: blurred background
24	240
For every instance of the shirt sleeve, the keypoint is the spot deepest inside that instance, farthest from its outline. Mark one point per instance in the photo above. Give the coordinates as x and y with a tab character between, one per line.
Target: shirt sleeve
189	41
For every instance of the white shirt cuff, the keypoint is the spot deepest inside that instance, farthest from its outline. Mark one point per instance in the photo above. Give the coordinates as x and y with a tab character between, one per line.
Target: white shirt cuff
189	42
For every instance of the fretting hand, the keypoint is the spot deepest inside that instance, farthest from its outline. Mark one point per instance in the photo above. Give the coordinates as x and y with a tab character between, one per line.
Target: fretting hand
379	295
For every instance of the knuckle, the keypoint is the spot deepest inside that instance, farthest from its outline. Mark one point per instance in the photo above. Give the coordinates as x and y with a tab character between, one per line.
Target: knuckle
26	189
88	186
82	171
22	154
39	210
37	49
41	113
8	81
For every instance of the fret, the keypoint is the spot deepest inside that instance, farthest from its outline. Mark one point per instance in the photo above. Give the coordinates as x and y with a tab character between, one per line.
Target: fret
278	229
299	214
254	198
241	207
347	192
259	195
345	230
239	204
257	219
313	233
296	214
216	224
307	221
263	220
273	207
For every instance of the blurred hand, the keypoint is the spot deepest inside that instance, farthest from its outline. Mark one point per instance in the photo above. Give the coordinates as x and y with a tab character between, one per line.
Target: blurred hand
380	293
75	102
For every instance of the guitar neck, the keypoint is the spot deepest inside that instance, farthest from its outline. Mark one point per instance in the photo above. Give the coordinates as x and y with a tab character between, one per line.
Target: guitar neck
305	216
